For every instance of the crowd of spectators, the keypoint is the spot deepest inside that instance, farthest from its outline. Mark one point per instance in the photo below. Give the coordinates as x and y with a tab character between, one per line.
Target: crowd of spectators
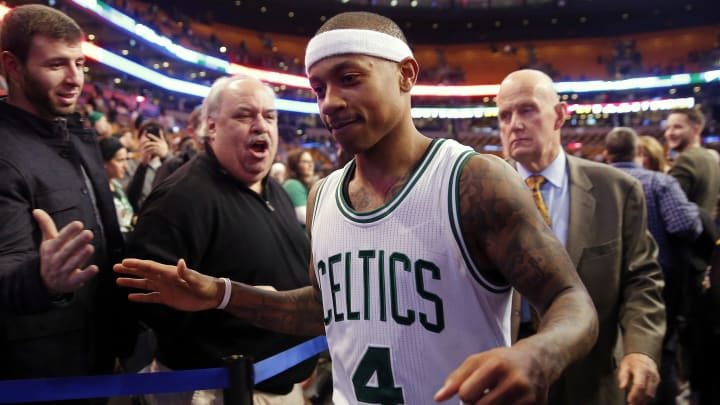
141	143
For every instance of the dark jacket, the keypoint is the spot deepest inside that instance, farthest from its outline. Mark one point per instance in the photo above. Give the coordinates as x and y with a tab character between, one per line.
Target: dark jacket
41	165
224	229
616	259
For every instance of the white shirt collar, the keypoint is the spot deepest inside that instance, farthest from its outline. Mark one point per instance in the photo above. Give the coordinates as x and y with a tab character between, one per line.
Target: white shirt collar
554	173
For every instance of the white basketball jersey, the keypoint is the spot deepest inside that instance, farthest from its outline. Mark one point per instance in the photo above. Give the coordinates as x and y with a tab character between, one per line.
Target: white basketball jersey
403	304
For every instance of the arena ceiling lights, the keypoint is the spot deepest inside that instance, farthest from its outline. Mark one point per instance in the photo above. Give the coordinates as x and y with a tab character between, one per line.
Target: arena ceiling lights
125	65
166	45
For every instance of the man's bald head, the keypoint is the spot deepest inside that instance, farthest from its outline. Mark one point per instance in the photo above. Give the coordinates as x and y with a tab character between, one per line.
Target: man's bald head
529	78
530	116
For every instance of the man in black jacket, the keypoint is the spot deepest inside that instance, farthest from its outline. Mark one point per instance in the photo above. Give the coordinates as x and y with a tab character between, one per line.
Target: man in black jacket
59	310
222	213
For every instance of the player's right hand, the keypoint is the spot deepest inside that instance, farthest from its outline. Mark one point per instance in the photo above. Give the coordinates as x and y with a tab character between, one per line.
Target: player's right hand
178	286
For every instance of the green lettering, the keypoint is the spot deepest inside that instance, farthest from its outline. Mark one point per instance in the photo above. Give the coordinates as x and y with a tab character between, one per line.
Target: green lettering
322	270
352	316
399	259
420	266
334	288
381	277
366	255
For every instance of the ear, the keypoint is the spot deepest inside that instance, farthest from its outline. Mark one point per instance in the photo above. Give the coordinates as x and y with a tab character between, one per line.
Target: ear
11	66
697	130
561	114
210	129
409	70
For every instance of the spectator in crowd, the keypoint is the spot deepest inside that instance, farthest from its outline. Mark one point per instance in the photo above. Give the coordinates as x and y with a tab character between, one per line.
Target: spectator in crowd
61	313
434	272
695	168
599	214
217	211
713	326
153	150
278	171
300	178
127	138
653	154
670	214
187	149
100	124
698	172
115	157
166	119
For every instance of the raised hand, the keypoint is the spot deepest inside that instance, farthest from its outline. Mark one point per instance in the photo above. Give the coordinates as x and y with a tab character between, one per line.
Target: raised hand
153	145
178	286
62	253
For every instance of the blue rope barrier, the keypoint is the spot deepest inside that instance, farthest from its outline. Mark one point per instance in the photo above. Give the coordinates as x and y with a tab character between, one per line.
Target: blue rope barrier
117	385
282	361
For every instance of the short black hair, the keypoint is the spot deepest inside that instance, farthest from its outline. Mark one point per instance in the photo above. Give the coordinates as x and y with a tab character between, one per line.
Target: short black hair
363	20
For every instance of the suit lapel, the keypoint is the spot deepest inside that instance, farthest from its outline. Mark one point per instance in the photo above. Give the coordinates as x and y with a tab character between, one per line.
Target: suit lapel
582	209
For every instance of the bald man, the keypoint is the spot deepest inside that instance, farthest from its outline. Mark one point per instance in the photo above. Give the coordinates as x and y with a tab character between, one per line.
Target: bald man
599	214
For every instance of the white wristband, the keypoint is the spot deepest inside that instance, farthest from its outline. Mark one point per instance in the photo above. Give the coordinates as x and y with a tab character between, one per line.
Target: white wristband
226	295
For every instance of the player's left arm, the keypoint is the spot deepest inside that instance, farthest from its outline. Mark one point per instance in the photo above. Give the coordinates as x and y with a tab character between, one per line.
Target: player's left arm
507	236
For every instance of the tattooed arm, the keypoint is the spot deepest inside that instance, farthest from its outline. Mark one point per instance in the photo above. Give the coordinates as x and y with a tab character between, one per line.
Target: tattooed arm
296	311
509	240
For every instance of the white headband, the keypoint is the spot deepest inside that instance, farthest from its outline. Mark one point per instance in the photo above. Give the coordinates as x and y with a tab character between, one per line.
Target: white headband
357	41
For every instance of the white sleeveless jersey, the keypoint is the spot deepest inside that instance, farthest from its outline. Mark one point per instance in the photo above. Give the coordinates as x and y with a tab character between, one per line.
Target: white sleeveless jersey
403	304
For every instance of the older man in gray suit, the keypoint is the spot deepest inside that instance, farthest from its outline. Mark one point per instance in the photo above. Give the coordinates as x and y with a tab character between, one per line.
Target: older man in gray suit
599	214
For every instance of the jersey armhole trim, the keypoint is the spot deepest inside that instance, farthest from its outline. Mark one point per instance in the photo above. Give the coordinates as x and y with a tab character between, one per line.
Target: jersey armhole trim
455	225
316	202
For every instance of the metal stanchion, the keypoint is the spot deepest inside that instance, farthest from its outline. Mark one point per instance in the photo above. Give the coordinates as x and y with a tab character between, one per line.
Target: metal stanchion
240	389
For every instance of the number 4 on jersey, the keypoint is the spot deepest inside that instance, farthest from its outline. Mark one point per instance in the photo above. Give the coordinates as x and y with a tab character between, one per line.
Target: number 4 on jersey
376	361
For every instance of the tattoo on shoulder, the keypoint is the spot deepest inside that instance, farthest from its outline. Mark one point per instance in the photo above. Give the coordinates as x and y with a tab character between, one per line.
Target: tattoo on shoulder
501	226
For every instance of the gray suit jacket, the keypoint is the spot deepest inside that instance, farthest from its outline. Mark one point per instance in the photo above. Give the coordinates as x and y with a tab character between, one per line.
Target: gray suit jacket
616	259
698	173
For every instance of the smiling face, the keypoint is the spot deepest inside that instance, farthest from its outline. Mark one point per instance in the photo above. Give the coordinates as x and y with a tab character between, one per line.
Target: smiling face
680	132
360	98
50	80
244	131
530	117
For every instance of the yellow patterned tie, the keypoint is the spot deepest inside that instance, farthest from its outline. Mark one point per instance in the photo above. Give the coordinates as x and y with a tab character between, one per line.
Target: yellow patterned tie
528	316
535	182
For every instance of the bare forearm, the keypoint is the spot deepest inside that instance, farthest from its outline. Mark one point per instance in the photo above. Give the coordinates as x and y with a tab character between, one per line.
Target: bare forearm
296	311
568	331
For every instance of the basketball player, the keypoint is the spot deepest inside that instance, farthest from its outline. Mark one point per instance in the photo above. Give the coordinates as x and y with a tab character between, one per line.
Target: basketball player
416	244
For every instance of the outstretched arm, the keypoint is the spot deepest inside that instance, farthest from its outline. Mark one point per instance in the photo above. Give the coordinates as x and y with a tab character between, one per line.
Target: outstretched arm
509	239
295	311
